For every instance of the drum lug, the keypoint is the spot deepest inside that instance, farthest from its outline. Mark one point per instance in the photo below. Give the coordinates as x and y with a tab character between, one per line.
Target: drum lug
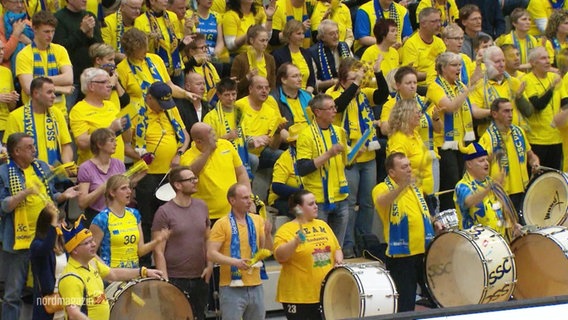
487	260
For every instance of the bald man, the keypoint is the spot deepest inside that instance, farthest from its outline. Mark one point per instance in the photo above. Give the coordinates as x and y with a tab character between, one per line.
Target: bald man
194	109
218	166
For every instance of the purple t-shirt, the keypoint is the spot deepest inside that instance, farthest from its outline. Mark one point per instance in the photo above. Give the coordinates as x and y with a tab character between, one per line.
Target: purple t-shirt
186	252
89	172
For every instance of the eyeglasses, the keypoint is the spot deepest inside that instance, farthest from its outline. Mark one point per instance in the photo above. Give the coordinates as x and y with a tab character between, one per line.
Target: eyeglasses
101	81
192	180
330	108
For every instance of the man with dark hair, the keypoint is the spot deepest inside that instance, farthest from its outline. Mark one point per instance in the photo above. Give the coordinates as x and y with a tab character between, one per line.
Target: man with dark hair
408	231
182	258
42	58
46	125
116	23
24	190
241	291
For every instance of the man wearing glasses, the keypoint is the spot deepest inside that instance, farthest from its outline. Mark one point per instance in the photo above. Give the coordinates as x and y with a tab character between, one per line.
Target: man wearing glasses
182	259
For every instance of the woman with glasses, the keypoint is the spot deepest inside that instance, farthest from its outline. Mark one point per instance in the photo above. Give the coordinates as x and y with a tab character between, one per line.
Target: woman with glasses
453	37
96	111
103	56
117	230
94	173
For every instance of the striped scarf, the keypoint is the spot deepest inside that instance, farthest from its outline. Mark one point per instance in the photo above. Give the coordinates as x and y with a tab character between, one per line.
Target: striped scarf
322	56
173	61
393	15
142	126
119	30
143	81
239	143
39	65
497	143
307	10
235	246
23	236
51	133
399	228
451	133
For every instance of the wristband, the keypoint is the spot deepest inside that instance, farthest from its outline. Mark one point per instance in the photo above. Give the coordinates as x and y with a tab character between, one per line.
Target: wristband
143	272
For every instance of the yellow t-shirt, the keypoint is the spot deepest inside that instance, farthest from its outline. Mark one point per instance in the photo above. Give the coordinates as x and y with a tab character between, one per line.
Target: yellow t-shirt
435	94
450	11
564	133
309	146
420	159
299	61
301	276
132	81
283	172
110	33
422	55
143	23
72	289
86	118
487	91
257	123
517	178
369	10
216	177
219	6
212	118
284	9
233	26
221	232
541	132
34	6
524	44
16	124
390	61
159	127
33	203
6	86
407	203
25	65
540	9
341	15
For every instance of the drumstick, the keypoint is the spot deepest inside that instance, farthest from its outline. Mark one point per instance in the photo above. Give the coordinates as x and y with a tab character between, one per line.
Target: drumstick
299	213
136	299
443	192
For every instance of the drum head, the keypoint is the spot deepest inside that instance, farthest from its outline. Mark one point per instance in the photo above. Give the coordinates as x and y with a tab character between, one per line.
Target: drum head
165	192
542	265
340	295
546	199
454	270
150	299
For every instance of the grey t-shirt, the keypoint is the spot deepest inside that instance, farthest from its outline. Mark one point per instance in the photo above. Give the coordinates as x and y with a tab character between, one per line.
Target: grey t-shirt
186	252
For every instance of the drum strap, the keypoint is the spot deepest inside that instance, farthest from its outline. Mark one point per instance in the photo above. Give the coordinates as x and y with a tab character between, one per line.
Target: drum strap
84	309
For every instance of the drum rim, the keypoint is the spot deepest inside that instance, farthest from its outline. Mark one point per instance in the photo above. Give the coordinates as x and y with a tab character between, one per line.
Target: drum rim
464	234
362	300
534	180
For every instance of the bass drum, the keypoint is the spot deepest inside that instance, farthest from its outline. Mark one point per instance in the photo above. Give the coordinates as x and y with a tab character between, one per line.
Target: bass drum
542	265
358	290
472	266
546	200
147	298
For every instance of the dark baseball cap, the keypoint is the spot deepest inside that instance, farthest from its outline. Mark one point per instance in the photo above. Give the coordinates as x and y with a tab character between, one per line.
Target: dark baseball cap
163	94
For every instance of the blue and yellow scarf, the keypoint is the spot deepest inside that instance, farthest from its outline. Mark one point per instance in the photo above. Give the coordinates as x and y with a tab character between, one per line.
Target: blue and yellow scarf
51	133
236	275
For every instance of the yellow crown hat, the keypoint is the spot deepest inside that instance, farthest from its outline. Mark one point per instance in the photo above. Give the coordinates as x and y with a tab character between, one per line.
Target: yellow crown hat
472	151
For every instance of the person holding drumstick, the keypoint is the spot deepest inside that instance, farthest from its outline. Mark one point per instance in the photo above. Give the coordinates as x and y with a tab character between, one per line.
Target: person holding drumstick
117	230
477	195
307	249
81	283
407	228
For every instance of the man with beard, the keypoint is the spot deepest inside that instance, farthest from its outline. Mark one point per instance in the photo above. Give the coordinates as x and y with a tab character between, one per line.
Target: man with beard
497	83
182	259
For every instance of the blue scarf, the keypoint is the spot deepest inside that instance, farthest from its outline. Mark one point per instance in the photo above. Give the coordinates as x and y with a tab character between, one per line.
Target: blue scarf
464	77
51	133
323	52
38	67
517	44
239	143
304	98
399	230
173	64
498	144
559	4
293	155
142	126
450	130
140	76
329	203
236	275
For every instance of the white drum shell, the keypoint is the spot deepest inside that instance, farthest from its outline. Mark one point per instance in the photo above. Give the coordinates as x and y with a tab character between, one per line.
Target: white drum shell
358	290
546	200
473	266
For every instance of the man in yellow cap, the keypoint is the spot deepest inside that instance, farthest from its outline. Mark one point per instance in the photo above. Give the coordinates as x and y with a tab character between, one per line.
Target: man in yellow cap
81	283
